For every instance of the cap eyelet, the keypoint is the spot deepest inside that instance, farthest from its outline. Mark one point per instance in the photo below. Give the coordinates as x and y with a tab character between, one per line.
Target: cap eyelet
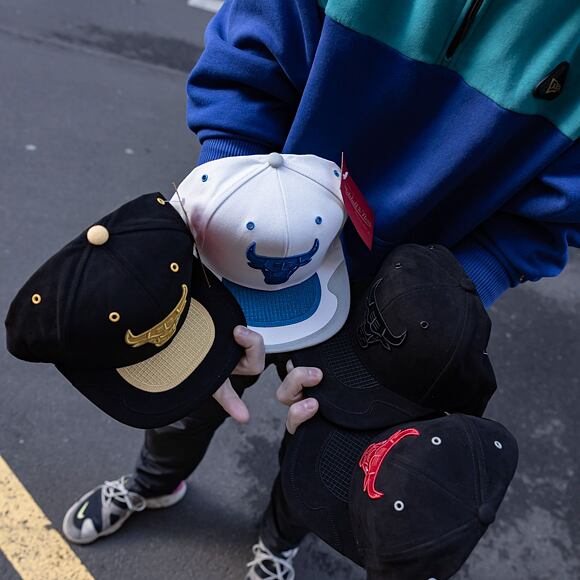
485	353
399	506
204	177
431	247
36	299
318	220
436	440
336	173
498	444
161	201
250	225
424	324
174	267
398	266
114	317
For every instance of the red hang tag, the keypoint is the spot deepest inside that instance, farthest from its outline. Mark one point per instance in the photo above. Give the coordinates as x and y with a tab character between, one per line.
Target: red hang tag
357	208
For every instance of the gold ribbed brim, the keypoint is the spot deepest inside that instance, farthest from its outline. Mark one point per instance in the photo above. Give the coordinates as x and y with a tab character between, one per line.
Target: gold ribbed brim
170	367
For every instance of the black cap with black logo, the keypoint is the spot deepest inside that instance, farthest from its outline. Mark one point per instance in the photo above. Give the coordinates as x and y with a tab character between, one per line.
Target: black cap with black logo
414	345
130	317
409	502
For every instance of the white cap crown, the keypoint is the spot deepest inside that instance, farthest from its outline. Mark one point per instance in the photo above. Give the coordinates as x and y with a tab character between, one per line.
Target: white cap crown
264	221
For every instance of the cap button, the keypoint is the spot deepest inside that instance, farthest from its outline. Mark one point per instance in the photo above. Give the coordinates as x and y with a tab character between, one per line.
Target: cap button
467	284
275	160
97	235
486	514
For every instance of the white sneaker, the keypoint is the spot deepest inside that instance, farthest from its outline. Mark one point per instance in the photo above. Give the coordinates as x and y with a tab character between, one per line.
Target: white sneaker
269	566
104	509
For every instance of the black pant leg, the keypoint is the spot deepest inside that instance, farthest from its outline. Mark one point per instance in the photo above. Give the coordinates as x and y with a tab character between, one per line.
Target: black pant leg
280	530
171	453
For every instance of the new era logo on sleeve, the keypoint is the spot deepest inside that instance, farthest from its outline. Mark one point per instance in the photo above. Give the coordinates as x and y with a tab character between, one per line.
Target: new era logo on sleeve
553	83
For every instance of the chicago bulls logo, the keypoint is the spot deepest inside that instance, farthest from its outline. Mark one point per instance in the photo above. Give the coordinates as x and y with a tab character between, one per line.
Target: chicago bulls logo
373	458
374	328
279	270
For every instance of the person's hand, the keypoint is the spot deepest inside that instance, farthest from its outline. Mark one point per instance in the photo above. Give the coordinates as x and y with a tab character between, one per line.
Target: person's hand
291	393
251	363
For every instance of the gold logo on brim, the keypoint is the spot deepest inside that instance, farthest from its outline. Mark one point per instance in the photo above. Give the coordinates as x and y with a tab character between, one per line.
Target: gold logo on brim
171	366
162	332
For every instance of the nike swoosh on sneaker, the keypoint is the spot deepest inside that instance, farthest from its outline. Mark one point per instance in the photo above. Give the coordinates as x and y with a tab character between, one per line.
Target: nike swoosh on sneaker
81	512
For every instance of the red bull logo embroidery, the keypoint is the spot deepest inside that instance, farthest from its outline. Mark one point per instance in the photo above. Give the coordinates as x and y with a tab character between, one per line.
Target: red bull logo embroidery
373	458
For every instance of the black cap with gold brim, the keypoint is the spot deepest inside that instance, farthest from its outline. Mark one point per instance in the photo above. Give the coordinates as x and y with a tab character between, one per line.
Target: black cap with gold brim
130	317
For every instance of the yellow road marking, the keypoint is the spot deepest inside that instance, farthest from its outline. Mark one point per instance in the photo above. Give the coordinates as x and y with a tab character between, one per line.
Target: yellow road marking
27	538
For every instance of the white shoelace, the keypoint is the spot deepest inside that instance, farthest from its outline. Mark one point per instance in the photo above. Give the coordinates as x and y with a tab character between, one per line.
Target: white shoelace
117	489
284	570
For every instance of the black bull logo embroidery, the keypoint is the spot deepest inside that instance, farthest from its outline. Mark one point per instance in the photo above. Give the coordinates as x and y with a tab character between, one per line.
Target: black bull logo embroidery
374	328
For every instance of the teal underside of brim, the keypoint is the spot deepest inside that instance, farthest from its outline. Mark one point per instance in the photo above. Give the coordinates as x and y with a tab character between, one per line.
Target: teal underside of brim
510	47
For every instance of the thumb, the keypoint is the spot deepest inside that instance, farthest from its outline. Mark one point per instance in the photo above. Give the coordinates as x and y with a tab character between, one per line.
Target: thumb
300	412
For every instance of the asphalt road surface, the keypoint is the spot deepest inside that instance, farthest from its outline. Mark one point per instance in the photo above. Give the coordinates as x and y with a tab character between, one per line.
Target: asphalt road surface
92	113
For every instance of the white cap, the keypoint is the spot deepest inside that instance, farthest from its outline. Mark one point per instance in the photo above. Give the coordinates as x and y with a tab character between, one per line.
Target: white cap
268	226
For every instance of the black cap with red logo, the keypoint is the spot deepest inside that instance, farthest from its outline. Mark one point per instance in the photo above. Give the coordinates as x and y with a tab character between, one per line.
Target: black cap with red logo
407	503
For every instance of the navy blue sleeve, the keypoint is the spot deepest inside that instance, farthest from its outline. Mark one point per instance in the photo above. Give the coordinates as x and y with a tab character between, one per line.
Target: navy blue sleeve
529	238
244	91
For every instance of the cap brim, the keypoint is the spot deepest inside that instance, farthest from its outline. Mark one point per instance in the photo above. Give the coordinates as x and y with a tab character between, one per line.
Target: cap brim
171	383
317	472
301	315
349	394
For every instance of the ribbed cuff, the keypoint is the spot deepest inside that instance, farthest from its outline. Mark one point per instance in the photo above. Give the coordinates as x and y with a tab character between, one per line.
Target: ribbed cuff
487	273
218	148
